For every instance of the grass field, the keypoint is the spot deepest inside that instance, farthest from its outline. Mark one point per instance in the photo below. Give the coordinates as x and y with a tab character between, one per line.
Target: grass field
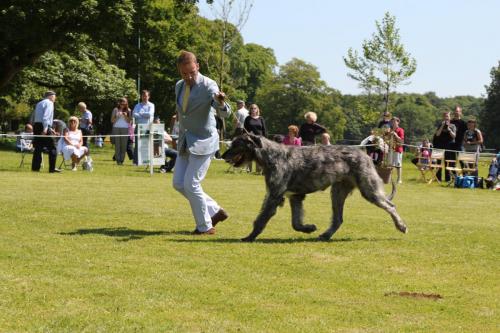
110	251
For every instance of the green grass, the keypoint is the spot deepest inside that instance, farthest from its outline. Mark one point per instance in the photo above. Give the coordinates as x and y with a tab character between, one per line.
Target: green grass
110	251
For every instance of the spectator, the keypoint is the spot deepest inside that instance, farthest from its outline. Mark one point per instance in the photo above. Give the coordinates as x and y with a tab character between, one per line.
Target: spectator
254	123
461	127
120	118
174	126
43	118
424	152
473	138
239	118
398	136
73	148
325	139
143	113
85	122
221	128
130	141
376	148
24	141
310	129
444	138
170	153
493	172
386	120
292	139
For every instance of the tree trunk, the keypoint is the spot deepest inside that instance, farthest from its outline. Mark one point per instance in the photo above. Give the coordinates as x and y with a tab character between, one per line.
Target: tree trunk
7	73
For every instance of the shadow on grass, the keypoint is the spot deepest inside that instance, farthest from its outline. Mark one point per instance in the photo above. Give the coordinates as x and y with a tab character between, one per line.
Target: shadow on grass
204	239
124	234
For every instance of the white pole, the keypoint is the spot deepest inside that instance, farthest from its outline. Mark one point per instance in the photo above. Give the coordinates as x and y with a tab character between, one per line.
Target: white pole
151	148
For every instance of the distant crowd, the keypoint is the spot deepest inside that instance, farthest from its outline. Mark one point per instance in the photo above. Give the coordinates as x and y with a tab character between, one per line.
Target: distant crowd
384	144
200	107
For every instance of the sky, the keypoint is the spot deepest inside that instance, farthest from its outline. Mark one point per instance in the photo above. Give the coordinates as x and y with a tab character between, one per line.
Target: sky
455	43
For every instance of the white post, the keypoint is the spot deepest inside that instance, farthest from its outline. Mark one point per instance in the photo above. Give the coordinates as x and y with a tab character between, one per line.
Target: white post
151	148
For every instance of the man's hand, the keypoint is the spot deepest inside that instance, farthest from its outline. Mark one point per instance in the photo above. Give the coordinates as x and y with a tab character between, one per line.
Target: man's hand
220	97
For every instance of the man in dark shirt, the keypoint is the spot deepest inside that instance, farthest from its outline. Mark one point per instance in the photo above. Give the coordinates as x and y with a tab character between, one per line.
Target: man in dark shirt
461	126
310	129
444	138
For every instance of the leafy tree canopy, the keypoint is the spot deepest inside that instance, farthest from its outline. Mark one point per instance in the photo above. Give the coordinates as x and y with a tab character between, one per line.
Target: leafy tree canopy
296	90
490	115
384	63
28	29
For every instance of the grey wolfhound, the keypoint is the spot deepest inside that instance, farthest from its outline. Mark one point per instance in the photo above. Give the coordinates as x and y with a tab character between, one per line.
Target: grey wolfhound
296	171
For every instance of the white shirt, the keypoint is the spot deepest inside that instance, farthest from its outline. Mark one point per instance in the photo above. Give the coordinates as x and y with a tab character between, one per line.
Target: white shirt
86	119
44	113
241	114
144	113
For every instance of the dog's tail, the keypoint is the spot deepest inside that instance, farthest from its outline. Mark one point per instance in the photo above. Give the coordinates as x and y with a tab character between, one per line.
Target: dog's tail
393	192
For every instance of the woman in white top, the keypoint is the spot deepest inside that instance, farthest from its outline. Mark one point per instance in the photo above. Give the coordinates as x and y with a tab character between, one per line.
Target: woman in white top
121	119
73	148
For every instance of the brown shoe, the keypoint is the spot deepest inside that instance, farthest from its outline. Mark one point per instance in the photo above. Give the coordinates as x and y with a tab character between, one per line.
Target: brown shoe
220	216
210	231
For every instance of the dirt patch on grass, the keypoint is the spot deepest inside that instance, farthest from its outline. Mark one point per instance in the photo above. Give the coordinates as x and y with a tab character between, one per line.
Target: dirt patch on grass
414	295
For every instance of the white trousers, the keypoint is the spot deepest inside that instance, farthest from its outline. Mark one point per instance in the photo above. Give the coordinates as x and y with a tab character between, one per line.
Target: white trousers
189	171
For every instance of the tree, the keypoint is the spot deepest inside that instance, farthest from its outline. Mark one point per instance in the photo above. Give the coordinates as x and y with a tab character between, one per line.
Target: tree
232	20
28	29
384	64
417	120
255	64
490	115
81	74
297	89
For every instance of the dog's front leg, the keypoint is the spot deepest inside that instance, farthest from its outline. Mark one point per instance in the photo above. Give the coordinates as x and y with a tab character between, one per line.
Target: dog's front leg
268	210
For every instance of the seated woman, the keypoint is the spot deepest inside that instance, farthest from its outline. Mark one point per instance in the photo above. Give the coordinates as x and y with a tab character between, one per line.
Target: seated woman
72	143
292	139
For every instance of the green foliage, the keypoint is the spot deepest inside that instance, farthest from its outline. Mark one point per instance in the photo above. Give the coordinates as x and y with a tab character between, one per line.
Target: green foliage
28	29
81	74
297	89
418	121
384	64
165	28
359	118
490	115
253	65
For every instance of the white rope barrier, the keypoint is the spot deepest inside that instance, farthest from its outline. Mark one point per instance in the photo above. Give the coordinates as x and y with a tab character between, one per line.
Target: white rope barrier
222	141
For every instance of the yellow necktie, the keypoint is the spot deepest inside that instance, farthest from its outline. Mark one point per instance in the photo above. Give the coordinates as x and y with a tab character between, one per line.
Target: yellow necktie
187	91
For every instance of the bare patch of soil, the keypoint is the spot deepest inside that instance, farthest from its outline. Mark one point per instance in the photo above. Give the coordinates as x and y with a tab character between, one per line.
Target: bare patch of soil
414	295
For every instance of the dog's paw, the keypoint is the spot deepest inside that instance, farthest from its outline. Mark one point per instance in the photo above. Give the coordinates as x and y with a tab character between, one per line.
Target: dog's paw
248	239
403	228
324	237
308	228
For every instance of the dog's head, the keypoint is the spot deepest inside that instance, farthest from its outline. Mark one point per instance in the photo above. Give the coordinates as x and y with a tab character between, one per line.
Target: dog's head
242	149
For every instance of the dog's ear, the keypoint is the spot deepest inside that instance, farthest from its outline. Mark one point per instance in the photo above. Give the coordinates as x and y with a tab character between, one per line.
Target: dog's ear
255	139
